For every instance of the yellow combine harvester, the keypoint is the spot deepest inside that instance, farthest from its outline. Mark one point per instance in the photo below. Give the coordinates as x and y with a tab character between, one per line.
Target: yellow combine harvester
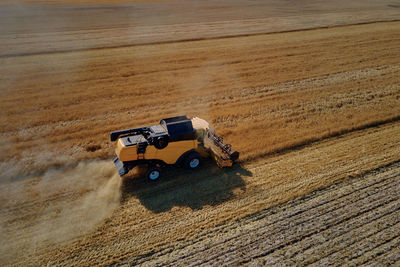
177	140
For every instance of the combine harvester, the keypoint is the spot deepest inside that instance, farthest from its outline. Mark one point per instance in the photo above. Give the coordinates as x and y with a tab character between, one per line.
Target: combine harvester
177	140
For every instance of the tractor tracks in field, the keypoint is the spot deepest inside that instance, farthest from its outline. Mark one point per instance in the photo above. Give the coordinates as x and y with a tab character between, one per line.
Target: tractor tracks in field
340	223
201	217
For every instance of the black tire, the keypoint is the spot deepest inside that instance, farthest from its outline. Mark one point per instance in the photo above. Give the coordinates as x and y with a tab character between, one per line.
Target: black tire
153	173
192	161
160	142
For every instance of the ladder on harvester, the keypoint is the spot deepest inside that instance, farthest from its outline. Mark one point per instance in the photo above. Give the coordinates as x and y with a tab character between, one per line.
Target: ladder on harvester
141	149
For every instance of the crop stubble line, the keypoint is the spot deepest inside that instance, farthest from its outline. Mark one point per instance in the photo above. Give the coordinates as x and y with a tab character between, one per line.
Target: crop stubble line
321	205
323	200
297	213
223	243
292	241
313	244
66	51
393	254
341	255
277	184
331	252
338	207
312	197
300	260
385	240
328	136
324	225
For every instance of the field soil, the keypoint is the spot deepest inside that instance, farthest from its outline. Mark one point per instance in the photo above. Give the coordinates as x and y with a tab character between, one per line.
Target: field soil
45	26
311	102
352	223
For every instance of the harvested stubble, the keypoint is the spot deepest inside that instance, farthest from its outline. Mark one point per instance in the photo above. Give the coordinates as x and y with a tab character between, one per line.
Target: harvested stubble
306	109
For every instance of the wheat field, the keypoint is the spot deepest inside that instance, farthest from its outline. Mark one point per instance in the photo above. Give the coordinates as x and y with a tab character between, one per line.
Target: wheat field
309	97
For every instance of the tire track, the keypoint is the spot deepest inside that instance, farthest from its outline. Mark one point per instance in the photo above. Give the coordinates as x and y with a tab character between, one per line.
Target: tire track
387	254
285	224
257	248
323	240
386	234
252	225
340	245
320	241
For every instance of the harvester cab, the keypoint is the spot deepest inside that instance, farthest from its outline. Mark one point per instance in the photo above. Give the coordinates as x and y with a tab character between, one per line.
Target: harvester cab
177	140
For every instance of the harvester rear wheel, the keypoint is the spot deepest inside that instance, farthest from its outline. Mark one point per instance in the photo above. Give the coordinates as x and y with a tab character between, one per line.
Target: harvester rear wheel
153	173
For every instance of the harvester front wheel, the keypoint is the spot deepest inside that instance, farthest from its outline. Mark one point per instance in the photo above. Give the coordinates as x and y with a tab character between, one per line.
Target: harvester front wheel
153	173
193	161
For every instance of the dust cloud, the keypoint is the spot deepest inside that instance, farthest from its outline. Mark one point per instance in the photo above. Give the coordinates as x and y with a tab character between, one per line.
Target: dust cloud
56	207
196	88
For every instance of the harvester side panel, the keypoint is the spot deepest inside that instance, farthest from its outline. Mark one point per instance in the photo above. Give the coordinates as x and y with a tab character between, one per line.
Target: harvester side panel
169	154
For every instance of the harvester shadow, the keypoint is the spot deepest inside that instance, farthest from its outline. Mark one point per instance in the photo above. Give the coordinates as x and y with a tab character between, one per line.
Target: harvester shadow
185	188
